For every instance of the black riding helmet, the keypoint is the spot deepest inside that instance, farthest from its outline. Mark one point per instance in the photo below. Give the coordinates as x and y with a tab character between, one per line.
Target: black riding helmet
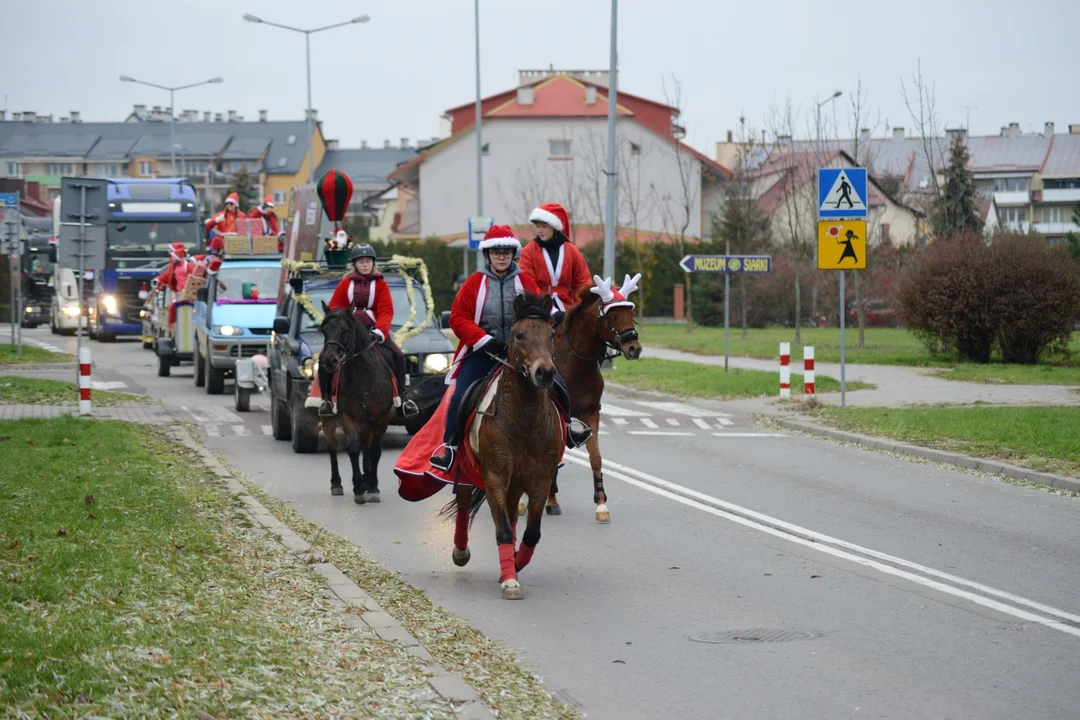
361	251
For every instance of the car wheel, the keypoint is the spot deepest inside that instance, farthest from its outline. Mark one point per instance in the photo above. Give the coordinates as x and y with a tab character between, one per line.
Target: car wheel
200	368
305	439
280	426
242	397
164	366
215	380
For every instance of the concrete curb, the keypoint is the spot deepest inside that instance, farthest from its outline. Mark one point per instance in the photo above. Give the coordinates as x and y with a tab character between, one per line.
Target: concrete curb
360	609
1015	472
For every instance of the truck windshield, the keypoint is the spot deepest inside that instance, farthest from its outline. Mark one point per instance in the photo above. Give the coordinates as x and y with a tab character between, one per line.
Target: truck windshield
238	283
149	236
37	262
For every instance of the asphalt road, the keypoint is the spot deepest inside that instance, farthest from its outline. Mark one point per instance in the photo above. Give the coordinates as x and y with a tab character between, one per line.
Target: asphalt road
859	585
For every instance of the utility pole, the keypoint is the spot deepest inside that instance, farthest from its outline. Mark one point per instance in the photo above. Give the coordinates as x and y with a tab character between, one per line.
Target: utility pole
479	139
613	92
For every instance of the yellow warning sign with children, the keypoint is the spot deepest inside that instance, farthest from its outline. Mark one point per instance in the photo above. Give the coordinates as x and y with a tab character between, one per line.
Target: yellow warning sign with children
841	245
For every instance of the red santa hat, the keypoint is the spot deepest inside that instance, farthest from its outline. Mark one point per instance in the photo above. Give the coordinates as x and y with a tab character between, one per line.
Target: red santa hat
500	236
234	199
614	297
177	251
213	265
268	201
554	215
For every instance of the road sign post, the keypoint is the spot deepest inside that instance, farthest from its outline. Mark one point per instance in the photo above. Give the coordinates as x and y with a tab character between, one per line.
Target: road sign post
12	222
842	211
87	249
478	227
727	264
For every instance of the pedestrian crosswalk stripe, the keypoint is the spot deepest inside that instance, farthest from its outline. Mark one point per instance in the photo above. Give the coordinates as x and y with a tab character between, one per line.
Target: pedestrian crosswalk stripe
620	421
673	421
701	423
682	409
213	431
648	423
661	432
619	411
747	435
240	430
267	430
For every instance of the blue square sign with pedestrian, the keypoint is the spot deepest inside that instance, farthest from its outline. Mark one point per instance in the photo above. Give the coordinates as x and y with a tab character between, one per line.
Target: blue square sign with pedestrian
842	193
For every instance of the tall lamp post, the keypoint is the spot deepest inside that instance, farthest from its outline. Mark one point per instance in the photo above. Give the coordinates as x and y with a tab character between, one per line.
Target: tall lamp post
613	92
307	49
817	161
172	107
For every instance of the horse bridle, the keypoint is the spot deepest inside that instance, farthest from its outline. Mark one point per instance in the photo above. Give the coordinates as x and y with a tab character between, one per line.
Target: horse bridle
628	335
347	350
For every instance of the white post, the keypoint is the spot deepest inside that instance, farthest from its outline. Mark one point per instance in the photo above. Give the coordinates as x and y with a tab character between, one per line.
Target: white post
84	381
785	370
808	369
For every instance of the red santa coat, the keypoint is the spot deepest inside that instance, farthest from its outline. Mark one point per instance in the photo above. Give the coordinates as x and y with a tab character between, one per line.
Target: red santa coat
224	222
465	315
270	221
174	276
564	279
376	304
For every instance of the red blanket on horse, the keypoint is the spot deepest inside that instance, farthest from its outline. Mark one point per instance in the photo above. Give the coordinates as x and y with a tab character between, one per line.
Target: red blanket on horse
417	479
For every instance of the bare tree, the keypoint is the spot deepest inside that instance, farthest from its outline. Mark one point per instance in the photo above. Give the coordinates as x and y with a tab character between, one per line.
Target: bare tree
923	110
863	121
593	179
635	203
527	189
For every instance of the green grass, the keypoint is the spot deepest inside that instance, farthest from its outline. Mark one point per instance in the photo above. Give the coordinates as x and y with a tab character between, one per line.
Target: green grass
1001	374
1042	438
132	586
15	390
30	356
707	381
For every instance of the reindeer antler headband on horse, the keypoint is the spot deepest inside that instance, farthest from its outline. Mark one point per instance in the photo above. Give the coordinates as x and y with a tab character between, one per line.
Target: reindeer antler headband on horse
612	298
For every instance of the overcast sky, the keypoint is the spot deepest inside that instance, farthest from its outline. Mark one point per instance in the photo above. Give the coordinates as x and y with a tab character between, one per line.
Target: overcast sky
394	76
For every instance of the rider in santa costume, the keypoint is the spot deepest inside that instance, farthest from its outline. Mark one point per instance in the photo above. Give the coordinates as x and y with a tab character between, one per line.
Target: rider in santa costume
271	228
556	265
481	317
225	221
174	277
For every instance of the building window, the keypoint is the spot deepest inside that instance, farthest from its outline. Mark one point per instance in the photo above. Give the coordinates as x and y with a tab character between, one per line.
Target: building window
146	168
1013	216
279	197
635	149
559	149
1010	184
1061	184
291	140
1053	214
13	169
108	170
59	169
283	162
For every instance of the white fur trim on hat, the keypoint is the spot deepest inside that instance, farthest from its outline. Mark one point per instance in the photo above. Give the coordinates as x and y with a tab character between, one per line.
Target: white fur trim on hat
500	242
548	217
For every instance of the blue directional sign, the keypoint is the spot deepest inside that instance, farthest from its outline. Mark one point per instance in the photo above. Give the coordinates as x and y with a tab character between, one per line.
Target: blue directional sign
842	193
9	199
727	263
478	227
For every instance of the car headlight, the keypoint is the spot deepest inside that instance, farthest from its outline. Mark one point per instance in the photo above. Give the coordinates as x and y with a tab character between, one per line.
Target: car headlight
308	368
109	302
436	363
29	309
227	330
71	310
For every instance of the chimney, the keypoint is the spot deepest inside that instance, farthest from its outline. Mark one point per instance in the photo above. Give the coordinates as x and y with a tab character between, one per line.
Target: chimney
898	133
232	115
314	115
333	144
75	118
218	117
16	117
206	116
263	115
730	136
1011	130
590	95
65	119
956	132
138	109
363	145
1074	129
1048	129
784	140
404	143
525	96
386	144
29	116
864	133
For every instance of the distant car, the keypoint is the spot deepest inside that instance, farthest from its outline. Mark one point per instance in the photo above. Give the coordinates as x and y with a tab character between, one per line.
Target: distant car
296	341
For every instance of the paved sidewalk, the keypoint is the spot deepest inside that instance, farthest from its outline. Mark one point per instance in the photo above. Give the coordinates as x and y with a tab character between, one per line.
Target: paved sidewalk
897	386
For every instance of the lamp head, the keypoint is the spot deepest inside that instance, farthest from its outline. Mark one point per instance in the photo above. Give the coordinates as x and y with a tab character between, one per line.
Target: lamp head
361	19
248	17
125	78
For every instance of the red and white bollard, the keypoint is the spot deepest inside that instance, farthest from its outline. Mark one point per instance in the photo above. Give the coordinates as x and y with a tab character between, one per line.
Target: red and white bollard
785	370
808	369
84	381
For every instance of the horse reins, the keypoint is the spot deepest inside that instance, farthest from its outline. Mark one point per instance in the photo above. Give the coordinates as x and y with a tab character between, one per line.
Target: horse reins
625	336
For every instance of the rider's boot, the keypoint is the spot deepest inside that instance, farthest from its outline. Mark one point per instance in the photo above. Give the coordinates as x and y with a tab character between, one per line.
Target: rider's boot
577	433
443	458
326	409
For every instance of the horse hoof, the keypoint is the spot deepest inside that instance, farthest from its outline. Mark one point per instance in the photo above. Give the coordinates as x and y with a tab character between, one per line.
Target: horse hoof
337	490
511	590
373	496
553	509
359	498
522	509
461	556
602	514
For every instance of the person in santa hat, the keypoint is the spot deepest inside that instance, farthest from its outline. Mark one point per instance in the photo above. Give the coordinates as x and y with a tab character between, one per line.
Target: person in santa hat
481	317
556	265
174	276
265	212
225	221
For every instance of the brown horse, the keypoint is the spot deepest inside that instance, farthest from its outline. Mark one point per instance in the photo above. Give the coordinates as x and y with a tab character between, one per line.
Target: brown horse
518	445
365	398
599	327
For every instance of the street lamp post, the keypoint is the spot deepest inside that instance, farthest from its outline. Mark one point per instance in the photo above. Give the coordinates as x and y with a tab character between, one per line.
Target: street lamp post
479	142
613	91
172	108
817	161
307	49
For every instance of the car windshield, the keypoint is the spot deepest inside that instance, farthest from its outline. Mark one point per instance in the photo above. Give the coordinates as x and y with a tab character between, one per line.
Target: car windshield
247	283
397	292
150	236
318	297
38	262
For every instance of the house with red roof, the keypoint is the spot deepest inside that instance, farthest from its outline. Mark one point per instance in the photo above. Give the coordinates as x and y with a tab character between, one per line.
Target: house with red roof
546	141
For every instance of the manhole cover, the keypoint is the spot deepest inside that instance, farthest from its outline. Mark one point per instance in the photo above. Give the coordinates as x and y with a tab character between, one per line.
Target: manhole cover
752	635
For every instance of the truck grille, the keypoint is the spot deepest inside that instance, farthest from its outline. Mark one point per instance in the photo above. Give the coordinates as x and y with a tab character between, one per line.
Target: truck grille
127	298
246	351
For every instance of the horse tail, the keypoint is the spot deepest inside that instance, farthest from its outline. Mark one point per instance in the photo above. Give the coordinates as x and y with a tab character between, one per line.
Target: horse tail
476	501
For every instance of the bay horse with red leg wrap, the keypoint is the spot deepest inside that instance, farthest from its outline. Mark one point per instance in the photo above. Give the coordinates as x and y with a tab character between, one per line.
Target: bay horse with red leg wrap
518	445
599	327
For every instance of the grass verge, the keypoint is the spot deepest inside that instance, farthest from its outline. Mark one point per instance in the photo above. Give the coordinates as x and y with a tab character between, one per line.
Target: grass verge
1000	374
503	684
706	381
133	586
15	390
1041	438
31	356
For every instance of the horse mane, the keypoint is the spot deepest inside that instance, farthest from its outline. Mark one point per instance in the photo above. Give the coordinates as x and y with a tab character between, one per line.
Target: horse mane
532	308
586	299
361	334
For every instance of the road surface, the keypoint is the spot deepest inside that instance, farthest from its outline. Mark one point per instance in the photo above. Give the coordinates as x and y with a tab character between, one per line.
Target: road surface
857	584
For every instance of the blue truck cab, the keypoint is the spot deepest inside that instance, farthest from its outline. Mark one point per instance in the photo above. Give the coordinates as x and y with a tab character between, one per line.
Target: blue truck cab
234	316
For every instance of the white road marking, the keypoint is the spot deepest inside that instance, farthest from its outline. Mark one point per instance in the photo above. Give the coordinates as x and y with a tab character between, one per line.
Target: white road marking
647	422
619	411
723	423
661	432
681	408
113	385
701	423
601	423
267	430
604	432
744	435
1060	619
213	431
620	421
674	422
240	430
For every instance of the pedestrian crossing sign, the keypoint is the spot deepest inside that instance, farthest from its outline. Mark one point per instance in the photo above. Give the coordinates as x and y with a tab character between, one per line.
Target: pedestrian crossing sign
842	193
841	245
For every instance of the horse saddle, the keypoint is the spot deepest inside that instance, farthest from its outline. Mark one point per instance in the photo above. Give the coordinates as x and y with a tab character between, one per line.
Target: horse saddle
471	400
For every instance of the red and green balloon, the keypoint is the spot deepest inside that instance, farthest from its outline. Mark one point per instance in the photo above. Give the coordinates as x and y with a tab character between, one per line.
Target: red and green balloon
335	190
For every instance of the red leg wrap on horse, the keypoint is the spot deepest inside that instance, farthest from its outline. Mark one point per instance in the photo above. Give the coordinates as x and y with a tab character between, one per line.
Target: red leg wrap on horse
524	555
507	571
461	530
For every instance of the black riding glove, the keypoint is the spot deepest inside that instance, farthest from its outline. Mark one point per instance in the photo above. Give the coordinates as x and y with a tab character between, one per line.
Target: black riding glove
495	347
